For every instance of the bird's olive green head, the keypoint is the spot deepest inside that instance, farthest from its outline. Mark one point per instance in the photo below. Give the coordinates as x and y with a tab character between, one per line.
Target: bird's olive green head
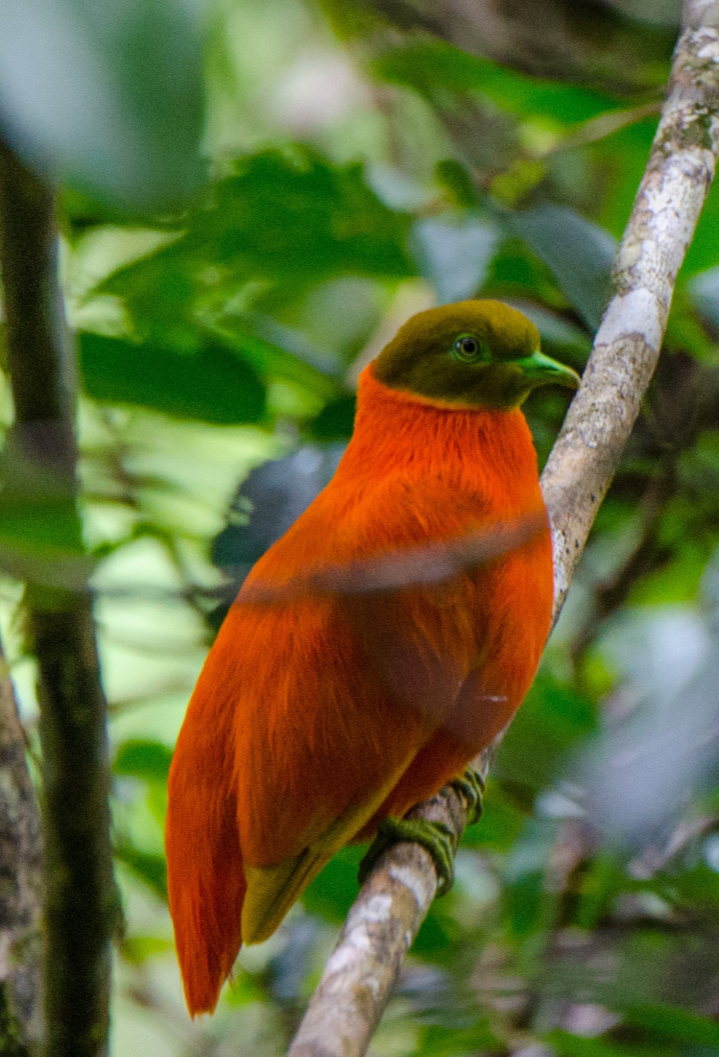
470	354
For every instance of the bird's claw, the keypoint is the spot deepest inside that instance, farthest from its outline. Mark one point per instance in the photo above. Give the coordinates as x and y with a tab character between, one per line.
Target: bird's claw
471	786
434	837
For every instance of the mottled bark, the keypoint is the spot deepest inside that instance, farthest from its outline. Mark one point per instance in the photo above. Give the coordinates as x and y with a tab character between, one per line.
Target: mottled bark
79	896
358	979
20	887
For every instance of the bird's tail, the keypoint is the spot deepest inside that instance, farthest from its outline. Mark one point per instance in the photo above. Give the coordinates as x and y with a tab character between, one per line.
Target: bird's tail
206	882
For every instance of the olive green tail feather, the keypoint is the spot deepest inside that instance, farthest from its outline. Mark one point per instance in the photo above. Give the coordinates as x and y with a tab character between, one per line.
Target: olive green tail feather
271	890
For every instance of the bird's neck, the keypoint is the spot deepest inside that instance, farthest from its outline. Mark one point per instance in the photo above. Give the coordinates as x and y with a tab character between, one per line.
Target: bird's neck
482	449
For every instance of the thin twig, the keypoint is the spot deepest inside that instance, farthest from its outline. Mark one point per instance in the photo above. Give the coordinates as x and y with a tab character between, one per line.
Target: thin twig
423	565
384	920
79	895
598	128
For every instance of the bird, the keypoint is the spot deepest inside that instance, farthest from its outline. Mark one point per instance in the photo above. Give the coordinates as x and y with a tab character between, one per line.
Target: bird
332	700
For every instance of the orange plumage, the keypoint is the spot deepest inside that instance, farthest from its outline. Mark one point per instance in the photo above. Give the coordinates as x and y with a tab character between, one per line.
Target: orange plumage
315	718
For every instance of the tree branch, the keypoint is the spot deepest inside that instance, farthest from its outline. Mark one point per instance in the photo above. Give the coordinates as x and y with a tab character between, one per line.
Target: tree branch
79	896
626	348
360	974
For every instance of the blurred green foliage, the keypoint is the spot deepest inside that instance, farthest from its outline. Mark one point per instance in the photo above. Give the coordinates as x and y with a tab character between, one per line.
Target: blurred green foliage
430	67
223	304
109	96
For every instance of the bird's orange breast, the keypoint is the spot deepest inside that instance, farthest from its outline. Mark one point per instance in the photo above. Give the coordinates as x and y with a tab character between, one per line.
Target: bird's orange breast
336	687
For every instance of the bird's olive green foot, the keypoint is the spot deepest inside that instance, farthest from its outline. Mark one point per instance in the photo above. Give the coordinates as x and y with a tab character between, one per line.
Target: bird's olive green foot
471	786
434	837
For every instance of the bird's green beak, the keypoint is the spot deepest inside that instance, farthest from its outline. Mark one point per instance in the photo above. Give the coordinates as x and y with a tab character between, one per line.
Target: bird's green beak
542	370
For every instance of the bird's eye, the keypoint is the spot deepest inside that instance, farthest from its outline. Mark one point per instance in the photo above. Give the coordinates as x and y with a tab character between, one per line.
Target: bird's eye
467	349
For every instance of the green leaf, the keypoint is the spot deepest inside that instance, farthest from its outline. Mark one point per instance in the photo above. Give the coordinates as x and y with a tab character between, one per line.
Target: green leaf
457	183
293	215
148	867
428	66
501	821
139	949
566	1045
281	224
524	905
270	359
40	528
46	525
703	251
619	161
435	1040
674	1023
685	332
579	253
108	95
333	892
211	384
518	273
336	419
286	217
551	721
454	254
701	293
527	904
433	938
149	760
